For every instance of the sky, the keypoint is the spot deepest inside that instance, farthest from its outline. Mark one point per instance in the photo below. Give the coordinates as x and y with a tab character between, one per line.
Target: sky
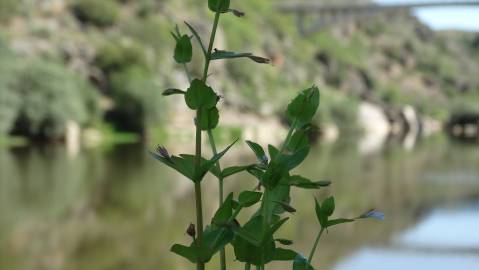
445	18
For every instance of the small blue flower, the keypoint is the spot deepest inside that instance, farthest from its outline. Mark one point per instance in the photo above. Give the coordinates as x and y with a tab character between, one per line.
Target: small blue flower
373	214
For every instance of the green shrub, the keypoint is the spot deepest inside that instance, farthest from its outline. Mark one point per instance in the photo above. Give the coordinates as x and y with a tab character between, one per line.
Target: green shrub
8	8
38	97
118	56
137	100
98	12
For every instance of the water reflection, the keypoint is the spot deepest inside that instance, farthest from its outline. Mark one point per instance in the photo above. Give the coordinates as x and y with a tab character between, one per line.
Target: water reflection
443	239
119	209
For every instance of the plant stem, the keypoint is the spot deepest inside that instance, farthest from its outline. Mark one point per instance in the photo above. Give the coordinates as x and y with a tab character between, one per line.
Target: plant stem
247	266
199	207
210	46
313	250
211	139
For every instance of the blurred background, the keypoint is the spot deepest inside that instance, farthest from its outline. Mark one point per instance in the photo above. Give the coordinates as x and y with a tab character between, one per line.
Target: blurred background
80	105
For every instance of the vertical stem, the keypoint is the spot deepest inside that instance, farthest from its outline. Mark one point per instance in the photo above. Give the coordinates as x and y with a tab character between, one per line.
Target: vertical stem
198	199
199	206
247	266
211	139
313	250
210	46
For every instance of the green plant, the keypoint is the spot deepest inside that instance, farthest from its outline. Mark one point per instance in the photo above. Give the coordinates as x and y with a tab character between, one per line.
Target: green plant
38	97
255	242
100	13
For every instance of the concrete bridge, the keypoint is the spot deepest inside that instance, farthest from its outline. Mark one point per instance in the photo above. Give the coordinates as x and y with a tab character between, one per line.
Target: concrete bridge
326	15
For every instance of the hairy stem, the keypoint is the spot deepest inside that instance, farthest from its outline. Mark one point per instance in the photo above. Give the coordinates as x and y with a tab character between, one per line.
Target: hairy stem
313	250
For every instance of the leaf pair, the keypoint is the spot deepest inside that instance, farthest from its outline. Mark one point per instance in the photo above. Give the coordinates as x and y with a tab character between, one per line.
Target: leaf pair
185	164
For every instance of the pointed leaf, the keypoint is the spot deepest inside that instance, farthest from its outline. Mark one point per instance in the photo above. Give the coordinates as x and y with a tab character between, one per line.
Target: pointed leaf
173	91
338	221
224	213
237	13
297	141
281	254
249	198
302	109
273	151
301	182
285	242
258	150
234	170
198	38
190	253
220	54
210	163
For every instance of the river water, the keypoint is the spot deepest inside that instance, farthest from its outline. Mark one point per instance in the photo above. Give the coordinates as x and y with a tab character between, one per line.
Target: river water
116	208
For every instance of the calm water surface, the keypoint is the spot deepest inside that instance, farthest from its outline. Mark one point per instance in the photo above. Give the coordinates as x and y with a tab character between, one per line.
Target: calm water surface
117	208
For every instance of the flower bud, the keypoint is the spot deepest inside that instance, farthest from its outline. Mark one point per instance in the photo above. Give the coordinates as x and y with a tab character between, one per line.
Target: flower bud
191	231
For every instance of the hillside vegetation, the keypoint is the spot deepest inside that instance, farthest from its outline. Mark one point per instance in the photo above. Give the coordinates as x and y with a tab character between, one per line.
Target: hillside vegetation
97	62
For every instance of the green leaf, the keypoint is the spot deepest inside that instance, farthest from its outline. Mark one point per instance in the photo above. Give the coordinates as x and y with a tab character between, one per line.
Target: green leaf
237	13
288	208
190	253
258	150
302	109
214	239
199	95
183	50
281	254
173	91
285	242
185	166
322	219
252	231
273	174
293	160
198	38
224	213
298	141
219	5
301	263
234	170
301	182
275	227
207	166
273	151
209	118
281	193
220	54
327	207
338	221
249	198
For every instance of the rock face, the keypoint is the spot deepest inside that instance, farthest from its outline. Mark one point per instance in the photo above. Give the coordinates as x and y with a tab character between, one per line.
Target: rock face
375	126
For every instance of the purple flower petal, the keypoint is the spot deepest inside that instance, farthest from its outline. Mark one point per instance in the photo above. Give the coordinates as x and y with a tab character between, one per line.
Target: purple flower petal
373	214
